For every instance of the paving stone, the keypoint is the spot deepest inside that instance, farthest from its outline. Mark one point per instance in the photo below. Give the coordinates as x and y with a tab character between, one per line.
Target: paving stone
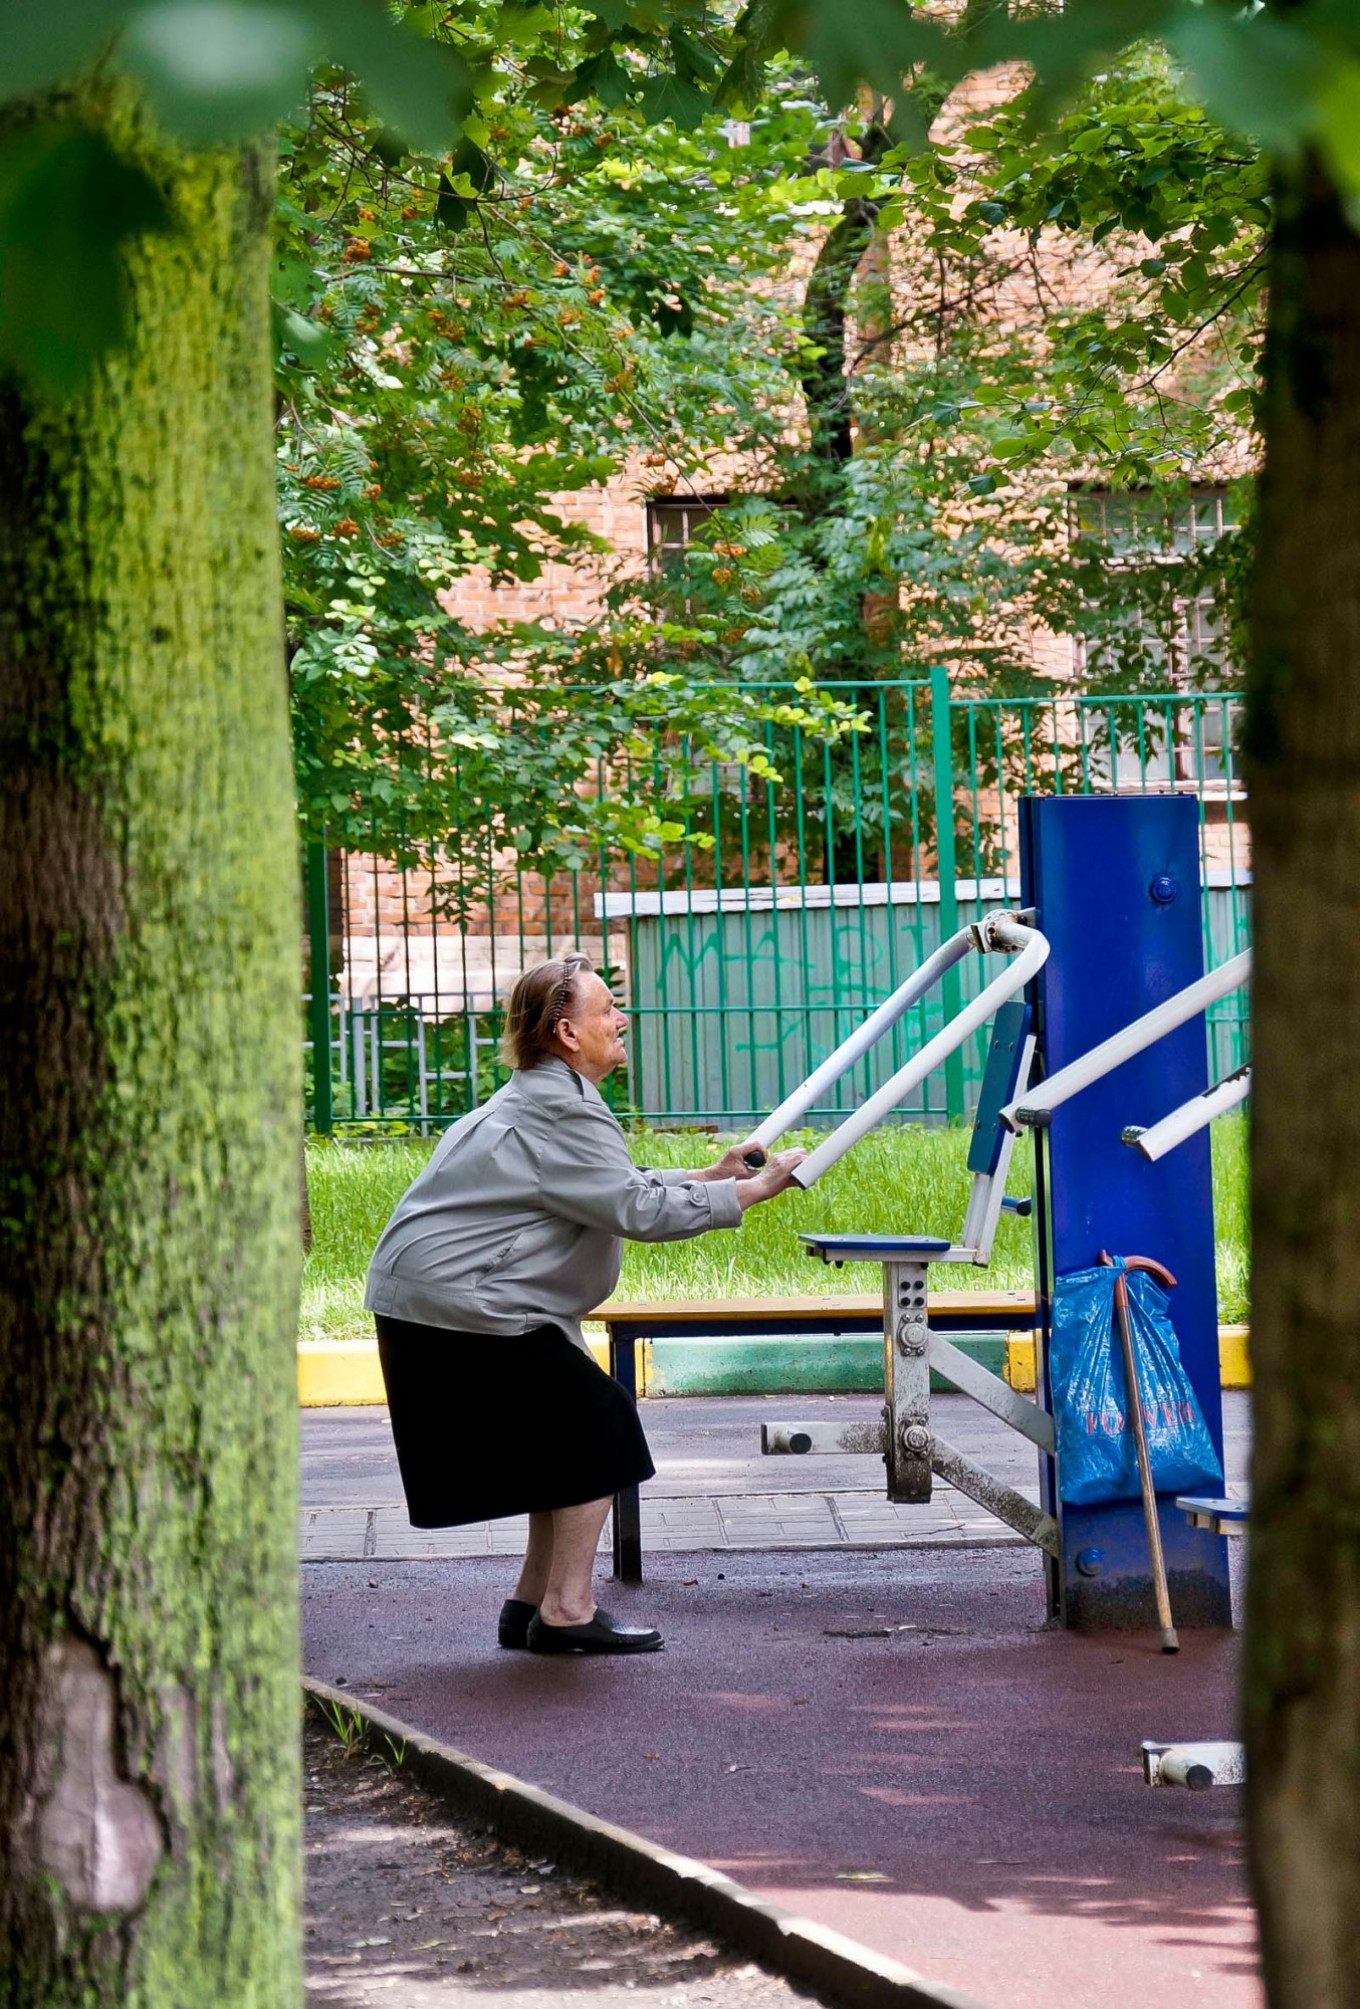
673	1524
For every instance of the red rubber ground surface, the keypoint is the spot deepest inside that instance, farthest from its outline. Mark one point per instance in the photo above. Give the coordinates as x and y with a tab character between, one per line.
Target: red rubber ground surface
966	1797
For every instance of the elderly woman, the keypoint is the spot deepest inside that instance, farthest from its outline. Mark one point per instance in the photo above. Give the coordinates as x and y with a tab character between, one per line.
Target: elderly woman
511	1234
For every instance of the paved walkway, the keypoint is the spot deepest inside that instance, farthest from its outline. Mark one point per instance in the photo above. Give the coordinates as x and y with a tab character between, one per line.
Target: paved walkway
713	1489
895	1743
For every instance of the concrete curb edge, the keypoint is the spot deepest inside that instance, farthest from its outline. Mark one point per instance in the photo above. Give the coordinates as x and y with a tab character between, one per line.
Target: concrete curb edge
817	1956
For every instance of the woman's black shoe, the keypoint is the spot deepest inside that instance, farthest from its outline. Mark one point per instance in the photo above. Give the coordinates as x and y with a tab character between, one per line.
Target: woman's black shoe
513	1629
601	1634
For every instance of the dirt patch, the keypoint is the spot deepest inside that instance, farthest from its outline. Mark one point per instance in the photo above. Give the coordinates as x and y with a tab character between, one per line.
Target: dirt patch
409	1906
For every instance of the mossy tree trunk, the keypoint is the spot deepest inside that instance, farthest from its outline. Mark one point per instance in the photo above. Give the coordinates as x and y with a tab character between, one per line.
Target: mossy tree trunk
150	1105
1303	1651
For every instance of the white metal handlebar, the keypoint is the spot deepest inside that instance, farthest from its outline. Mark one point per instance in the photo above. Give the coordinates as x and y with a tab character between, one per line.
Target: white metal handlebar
1158	1138
1037	1104
999	931
858	1043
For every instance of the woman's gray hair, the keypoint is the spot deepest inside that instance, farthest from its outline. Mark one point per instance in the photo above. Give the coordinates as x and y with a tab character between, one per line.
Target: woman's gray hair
541	999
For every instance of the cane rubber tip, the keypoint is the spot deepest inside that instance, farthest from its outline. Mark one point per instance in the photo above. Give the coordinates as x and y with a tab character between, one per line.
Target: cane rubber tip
1170	1643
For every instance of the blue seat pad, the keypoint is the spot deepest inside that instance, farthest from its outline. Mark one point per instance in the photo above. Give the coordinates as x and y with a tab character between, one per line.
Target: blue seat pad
1223	1510
874	1248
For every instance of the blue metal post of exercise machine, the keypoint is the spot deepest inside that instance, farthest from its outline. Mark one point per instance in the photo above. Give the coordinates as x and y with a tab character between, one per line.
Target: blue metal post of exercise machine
1115	881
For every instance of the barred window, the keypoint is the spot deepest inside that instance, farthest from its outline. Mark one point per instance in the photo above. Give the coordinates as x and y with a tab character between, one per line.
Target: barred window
672	521
1162	630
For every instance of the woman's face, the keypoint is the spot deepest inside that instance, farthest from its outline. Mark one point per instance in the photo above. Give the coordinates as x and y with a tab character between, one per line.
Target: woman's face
591	1035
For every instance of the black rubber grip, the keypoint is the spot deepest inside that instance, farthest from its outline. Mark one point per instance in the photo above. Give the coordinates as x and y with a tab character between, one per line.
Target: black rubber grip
755	1159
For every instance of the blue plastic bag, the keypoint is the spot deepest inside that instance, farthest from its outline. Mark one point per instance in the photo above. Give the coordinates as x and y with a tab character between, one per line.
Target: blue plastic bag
1097	1458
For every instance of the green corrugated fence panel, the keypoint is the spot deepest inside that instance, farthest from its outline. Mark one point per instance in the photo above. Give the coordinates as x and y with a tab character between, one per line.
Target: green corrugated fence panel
812	1364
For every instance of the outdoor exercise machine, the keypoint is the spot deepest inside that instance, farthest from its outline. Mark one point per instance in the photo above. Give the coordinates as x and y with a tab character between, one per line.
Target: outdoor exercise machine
912	1450
1110	886
1219	1762
1010	933
1036	1107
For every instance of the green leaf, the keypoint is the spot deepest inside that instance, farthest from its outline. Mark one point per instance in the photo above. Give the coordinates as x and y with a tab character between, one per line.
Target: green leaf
1338	120
44	45
613	13
1259	75
601	77
1065	46
217	70
743	81
421	88
294	280
68	205
311	342
674	98
876	42
471	166
692	59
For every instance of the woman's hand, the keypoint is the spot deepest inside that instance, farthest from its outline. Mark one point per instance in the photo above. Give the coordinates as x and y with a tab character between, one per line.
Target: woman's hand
775	1177
733	1165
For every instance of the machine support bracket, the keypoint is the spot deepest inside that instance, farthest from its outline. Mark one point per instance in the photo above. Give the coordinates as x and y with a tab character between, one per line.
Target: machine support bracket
998	1498
906	1382
988	1389
911	1451
1194	1765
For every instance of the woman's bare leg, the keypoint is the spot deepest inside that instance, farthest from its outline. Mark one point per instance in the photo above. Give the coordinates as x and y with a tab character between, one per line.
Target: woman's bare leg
538	1559
567	1597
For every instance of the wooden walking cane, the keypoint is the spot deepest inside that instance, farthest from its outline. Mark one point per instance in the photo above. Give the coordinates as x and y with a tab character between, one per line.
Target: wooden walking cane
1133	1388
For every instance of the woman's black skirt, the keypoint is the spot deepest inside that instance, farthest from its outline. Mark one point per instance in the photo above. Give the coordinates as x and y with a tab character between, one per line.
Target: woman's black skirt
487	1425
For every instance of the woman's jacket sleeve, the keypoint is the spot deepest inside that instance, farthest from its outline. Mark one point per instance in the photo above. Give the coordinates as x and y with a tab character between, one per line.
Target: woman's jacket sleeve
587	1176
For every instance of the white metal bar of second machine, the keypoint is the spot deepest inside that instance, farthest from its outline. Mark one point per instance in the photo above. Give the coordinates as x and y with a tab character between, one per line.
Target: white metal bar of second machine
1158	1138
1037	1104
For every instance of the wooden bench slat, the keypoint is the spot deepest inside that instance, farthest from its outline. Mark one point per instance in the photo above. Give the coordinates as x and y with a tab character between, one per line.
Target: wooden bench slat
863	1303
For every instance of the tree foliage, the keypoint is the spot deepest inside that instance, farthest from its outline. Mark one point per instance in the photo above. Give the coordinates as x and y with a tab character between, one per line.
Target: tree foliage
446	381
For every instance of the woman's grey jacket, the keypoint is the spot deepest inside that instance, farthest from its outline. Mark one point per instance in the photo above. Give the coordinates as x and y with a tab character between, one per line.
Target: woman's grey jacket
518	1217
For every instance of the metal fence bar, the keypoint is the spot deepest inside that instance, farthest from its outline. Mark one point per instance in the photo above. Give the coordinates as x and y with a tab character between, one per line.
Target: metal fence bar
319	996
942	731
777	919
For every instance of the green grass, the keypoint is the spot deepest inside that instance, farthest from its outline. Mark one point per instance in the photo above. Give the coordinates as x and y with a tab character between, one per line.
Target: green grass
907	1179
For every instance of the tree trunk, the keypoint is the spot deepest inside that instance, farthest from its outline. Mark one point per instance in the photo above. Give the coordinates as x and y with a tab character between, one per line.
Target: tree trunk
1302	1700
150	1106
822	362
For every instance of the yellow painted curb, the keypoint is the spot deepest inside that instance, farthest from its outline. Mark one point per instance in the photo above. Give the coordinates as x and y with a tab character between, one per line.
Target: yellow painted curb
1234	1365
1233	1359
332	1376
1020	1362
344	1374
338	1376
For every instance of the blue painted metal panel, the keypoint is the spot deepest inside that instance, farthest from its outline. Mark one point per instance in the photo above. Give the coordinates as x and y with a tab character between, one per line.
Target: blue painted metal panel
1010	1030
1116	885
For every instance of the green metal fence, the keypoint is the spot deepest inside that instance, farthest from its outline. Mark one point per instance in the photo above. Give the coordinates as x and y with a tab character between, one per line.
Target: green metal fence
752	944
